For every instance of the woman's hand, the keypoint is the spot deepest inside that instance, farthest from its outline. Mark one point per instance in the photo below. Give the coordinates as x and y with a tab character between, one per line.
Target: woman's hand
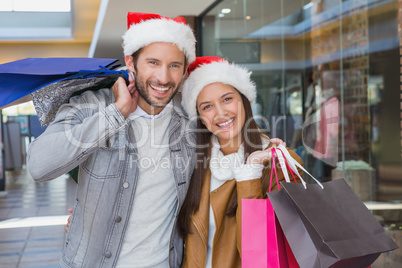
278	141
264	156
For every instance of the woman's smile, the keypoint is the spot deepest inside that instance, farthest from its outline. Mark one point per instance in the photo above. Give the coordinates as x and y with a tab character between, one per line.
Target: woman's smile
226	124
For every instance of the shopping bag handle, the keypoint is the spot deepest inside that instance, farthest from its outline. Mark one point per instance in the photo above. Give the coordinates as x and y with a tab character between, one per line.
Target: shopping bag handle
282	162
284	171
105	71
287	166
273	168
293	163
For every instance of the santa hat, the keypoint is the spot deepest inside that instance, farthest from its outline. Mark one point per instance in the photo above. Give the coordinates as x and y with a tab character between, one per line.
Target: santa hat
208	70
145	29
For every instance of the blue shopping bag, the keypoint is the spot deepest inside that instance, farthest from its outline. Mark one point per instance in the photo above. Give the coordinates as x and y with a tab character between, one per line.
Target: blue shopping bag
22	77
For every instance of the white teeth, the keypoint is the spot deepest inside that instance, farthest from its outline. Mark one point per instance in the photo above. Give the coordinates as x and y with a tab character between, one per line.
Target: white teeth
160	89
226	123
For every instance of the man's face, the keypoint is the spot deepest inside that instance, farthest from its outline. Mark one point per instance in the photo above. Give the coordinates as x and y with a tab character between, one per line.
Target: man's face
158	75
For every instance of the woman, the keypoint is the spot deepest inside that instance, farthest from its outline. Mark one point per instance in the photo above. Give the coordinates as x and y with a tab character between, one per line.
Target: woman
231	162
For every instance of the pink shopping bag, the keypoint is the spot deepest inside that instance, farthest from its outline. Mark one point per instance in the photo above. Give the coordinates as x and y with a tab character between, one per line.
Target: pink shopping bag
263	242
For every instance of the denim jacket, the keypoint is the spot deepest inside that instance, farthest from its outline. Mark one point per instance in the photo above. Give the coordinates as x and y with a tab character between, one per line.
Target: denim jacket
91	132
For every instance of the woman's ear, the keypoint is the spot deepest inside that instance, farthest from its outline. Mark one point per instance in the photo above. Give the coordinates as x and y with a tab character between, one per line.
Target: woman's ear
203	122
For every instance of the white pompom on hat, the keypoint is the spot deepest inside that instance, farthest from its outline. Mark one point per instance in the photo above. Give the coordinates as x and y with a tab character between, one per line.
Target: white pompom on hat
145	29
208	70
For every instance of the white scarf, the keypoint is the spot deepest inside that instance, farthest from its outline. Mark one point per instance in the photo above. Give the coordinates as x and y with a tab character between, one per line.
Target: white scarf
227	167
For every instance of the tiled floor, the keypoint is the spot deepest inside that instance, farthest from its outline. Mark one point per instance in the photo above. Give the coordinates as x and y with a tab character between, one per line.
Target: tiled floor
32	220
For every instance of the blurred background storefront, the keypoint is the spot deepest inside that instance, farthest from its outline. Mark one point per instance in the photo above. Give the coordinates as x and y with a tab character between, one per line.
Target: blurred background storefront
328	76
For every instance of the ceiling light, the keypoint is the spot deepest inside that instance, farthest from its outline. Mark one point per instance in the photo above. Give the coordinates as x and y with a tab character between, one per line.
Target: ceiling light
36	6
34	221
221	15
226	10
6	5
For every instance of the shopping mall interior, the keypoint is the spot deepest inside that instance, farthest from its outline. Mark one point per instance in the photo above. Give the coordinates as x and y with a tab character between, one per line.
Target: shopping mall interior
328	75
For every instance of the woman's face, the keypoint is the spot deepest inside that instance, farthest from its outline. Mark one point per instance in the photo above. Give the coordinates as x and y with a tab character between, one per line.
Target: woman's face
222	112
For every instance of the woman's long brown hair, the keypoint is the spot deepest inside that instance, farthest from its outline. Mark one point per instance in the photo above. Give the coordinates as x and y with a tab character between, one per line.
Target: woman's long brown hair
252	141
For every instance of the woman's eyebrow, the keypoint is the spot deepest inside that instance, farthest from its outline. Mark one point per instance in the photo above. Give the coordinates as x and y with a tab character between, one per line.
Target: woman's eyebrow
204	102
224	95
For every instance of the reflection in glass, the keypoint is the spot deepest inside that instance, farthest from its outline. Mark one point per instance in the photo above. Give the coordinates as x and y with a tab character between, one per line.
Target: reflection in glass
327	74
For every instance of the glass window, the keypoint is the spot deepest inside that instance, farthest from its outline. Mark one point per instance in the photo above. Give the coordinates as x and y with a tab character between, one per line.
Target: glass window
328	81
328	75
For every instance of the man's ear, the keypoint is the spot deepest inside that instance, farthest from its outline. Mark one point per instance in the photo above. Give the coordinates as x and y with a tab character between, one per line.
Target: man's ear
129	63
185	72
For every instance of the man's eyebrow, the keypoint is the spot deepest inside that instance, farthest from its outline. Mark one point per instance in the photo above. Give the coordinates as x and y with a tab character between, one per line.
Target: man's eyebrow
155	59
178	62
150	58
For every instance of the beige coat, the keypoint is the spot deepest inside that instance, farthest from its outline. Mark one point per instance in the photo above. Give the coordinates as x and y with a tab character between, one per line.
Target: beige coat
227	240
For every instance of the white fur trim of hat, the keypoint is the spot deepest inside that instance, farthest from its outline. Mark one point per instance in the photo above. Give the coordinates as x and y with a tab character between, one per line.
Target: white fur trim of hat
208	70
145	29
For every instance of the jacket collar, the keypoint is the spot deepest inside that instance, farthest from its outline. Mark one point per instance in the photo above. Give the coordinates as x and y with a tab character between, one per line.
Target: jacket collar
177	108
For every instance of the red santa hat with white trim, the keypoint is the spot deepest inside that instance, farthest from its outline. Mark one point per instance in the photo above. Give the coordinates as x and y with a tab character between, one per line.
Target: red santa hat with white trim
208	70
145	29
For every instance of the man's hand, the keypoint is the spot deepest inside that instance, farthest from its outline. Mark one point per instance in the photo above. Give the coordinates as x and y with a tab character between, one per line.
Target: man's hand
126	97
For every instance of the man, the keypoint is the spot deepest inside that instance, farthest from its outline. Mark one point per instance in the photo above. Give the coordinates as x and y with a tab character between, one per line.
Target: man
133	151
